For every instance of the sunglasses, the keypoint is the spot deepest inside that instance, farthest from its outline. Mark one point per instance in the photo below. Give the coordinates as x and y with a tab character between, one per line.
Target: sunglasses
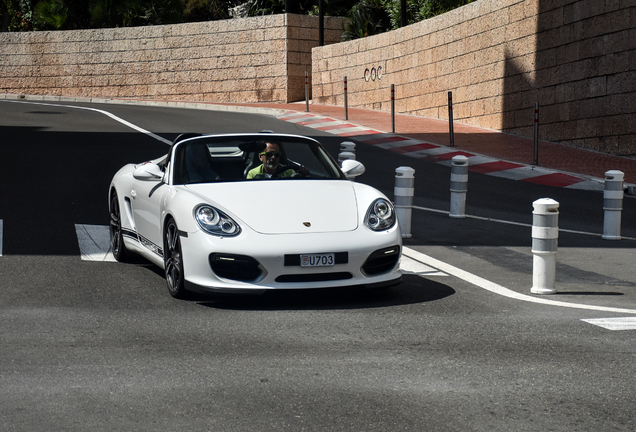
270	154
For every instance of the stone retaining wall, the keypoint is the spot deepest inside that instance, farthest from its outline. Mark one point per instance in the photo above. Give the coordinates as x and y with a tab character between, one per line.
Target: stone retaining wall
260	59
576	58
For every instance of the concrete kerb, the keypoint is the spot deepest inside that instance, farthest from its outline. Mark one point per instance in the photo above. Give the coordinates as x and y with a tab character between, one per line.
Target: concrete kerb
147	102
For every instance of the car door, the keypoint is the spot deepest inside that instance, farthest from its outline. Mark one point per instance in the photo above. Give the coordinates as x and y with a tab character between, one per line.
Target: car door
146	202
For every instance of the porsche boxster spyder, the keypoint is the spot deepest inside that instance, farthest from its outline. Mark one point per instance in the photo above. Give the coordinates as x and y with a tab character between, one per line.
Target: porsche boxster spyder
224	213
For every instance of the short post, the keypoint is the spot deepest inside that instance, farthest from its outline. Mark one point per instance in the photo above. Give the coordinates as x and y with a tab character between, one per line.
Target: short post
458	186
346	104
306	92
613	204
403	201
347	147
451	130
536	134
545	236
392	108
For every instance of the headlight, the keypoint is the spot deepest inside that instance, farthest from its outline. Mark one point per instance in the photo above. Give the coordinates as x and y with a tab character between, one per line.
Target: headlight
215	222
381	215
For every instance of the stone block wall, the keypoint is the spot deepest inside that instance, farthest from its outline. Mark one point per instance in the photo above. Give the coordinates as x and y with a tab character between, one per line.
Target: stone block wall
260	59
576	58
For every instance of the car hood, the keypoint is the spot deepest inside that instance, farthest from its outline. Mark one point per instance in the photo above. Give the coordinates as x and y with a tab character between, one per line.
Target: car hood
286	206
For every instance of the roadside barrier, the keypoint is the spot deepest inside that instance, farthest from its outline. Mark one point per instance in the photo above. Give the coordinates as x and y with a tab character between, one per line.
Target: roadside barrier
545	236
347	151
458	186
403	202
613	204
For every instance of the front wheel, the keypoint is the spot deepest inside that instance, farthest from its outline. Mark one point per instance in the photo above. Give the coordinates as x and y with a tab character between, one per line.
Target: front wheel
117	245
173	261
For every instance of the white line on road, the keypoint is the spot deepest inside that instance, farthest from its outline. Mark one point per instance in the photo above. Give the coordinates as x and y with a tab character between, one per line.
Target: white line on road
515	223
106	113
94	242
498	289
625	323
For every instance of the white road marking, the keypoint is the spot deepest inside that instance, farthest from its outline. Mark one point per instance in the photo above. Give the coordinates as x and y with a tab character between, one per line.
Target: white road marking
498	289
514	223
106	113
627	323
411	266
94	242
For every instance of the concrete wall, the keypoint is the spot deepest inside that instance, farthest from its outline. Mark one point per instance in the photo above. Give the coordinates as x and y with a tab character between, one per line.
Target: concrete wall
260	59
577	58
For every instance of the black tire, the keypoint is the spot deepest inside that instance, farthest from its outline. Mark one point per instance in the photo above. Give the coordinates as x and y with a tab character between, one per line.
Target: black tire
173	261
117	245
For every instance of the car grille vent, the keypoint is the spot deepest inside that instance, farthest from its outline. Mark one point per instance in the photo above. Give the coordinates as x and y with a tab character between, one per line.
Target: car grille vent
381	261
235	267
314	277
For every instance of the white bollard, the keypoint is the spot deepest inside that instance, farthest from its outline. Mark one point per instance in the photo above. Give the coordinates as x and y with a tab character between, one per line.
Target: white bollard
403	202
545	236
348	146
458	186
613	204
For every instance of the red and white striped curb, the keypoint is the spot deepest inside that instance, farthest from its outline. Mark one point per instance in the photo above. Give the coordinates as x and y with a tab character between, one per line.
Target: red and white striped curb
442	154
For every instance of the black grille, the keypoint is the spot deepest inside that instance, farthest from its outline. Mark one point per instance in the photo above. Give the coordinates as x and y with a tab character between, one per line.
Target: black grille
235	267
314	277
381	261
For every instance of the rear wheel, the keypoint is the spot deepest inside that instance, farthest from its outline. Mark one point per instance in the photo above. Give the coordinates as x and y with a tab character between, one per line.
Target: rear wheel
173	261
117	245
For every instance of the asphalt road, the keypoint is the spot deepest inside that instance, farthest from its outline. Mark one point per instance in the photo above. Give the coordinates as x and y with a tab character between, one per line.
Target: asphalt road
102	346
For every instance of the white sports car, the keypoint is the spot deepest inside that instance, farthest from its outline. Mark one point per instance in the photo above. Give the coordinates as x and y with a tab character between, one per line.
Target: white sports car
195	213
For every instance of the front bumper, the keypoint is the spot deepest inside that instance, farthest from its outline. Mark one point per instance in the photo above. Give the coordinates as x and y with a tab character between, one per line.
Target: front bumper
253	262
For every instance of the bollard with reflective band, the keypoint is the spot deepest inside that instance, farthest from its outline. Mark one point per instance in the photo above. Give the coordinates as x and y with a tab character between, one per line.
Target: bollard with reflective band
613	204
403	202
458	186
545	237
348	146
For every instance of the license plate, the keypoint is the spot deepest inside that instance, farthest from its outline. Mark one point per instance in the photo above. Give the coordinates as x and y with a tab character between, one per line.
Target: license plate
317	260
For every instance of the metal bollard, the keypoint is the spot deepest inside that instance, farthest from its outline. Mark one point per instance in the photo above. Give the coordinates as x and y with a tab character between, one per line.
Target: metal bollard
403	192
545	236
458	186
613	204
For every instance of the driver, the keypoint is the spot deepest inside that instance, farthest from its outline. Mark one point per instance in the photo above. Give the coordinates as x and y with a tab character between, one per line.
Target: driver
270	158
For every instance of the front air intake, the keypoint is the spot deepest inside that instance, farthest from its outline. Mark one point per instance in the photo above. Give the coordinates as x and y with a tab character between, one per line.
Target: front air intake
235	267
381	261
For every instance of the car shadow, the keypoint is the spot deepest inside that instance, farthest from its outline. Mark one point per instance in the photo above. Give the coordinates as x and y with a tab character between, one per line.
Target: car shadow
412	290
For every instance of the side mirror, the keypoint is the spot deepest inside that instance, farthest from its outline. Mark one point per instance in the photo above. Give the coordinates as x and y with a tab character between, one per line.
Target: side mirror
148	172
352	168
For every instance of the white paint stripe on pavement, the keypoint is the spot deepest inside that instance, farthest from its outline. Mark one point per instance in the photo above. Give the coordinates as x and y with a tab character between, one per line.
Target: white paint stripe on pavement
106	113
411	266
498	289
625	323
94	242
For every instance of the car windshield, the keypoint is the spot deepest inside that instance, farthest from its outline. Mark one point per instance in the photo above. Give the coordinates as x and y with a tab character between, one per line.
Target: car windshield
236	158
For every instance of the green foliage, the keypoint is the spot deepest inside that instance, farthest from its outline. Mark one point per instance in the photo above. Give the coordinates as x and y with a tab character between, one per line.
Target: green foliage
15	15
207	10
419	10
366	18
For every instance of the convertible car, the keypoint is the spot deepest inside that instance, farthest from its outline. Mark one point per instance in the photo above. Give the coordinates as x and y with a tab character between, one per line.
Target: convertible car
210	216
